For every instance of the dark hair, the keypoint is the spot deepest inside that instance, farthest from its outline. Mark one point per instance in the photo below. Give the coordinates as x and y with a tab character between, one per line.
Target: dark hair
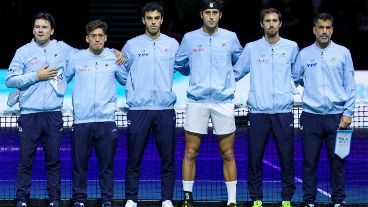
269	11
324	17
45	16
152	6
92	25
212	4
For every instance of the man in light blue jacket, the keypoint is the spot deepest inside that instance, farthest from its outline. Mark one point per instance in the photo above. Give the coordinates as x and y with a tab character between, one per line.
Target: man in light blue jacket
94	105
150	62
269	61
31	70
326	71
207	55
36	71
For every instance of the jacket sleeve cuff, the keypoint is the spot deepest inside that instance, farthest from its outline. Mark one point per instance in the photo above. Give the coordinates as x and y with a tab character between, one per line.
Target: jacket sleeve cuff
348	113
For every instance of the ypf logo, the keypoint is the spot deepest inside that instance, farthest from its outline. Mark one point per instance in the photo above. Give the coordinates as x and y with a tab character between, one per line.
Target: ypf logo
311	65
143	54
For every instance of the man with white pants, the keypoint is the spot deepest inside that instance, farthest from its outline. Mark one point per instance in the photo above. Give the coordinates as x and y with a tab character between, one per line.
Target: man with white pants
207	55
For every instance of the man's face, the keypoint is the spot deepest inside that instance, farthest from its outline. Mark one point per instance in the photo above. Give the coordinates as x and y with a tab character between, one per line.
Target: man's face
96	40
42	31
323	30
271	24
152	20
211	18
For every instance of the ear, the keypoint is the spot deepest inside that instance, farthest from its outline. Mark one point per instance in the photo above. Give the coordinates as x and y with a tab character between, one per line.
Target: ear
105	38
201	14
52	32
314	30
144	22
87	40
220	14
260	23
162	20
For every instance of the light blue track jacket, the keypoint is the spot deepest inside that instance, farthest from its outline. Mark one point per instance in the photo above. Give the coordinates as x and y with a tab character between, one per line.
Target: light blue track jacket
208	60
271	89
328	79
94	92
36	95
151	67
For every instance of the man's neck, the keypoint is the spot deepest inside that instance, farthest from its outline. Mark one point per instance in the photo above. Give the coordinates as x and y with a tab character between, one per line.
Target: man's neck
272	40
153	36
43	44
96	52
323	45
210	31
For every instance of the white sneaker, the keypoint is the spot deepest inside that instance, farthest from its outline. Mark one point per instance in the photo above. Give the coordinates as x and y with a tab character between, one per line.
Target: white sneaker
167	203
130	203
21	204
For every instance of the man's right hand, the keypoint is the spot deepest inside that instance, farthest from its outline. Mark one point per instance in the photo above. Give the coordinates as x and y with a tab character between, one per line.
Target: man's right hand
46	74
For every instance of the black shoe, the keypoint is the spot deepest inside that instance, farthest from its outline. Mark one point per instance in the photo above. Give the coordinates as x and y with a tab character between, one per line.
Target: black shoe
107	204
54	204
232	205
187	203
21	204
78	204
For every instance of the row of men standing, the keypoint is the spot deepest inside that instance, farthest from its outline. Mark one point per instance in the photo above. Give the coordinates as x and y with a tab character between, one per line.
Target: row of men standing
214	60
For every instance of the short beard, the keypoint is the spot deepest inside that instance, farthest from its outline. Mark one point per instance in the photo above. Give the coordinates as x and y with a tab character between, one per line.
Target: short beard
271	35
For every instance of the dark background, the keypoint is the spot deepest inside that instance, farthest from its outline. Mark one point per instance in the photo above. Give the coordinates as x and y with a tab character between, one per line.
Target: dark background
242	17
